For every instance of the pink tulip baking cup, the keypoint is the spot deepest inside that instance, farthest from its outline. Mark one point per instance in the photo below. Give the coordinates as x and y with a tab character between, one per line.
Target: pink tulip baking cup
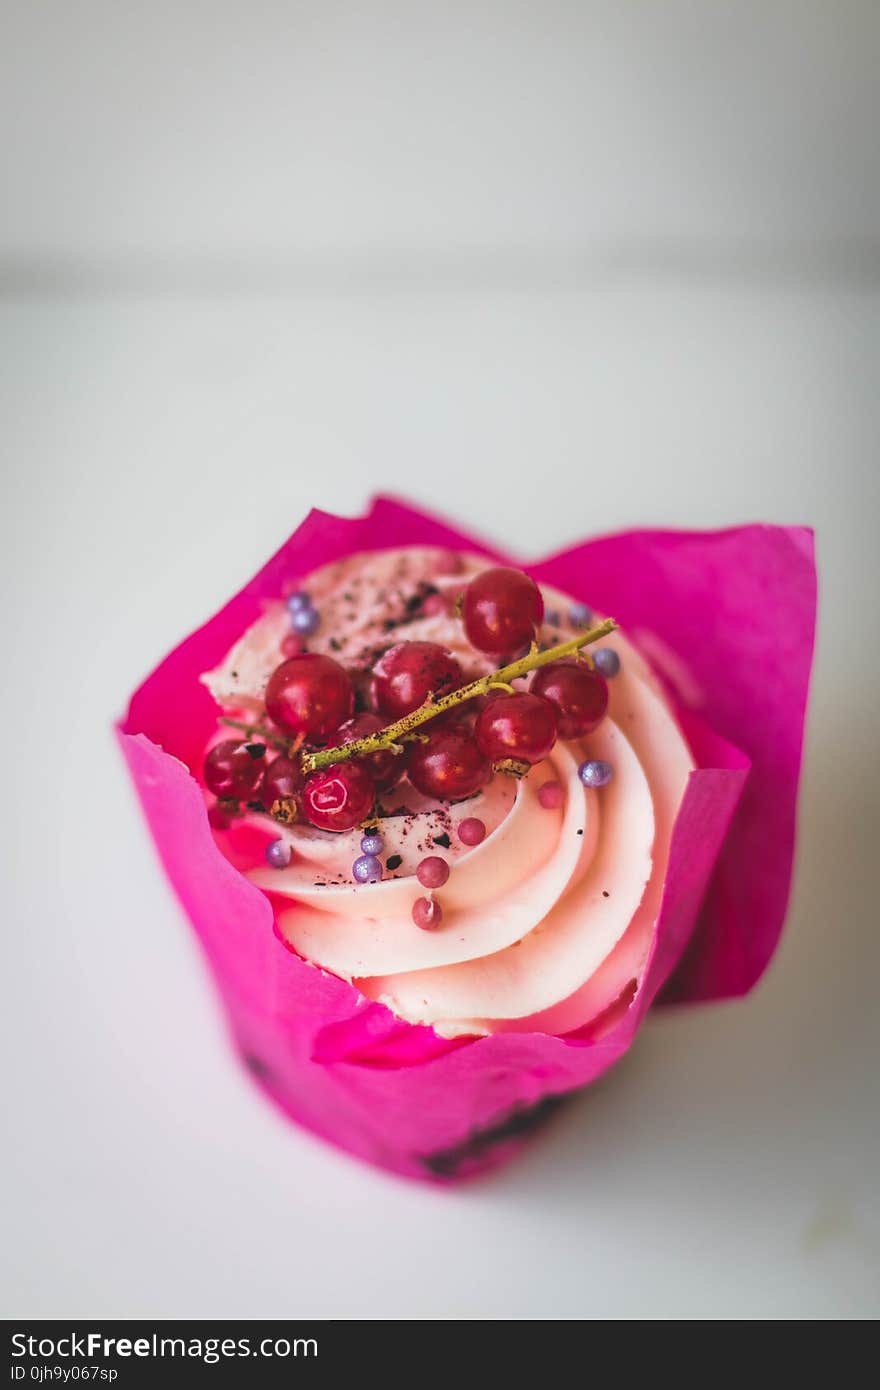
726	619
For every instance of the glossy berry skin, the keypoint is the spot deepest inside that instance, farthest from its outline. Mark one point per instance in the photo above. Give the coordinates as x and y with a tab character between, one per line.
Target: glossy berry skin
579	695
521	726
472	831
309	694
339	797
432	872
449	765
298	601
218	817
282	781
501	609
233	769
408	673
385	767
427	914
372	844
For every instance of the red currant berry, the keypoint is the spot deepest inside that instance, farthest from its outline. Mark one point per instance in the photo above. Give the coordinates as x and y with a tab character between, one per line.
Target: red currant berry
520	726
427	914
432	872
449	765
218	816
339	797
233	768
408	673
472	831
282	781
579	695
385	767
309	694
502	608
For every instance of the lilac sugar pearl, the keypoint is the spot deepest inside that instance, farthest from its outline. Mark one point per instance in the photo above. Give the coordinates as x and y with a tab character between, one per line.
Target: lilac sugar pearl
606	662
579	615
372	844
279	854
298	601
305	621
595	773
367	869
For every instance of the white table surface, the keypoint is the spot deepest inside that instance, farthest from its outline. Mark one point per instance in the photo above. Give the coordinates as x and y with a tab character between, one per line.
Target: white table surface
169	416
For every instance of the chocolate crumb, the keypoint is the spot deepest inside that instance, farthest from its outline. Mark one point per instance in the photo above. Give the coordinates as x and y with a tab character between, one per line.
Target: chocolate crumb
394	861
605	893
580	832
442	840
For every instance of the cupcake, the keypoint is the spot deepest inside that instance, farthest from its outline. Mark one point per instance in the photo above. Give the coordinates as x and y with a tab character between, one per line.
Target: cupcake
447	826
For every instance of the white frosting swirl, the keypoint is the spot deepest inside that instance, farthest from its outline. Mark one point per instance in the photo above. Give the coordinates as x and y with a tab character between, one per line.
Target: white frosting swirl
546	922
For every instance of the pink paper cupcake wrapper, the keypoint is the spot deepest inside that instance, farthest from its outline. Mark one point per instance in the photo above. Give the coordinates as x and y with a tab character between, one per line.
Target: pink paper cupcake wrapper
727	618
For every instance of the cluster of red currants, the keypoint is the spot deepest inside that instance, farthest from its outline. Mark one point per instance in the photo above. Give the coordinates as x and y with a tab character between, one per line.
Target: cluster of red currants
310	697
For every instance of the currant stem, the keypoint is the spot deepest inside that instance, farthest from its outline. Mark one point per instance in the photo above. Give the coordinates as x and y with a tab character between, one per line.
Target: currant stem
404	729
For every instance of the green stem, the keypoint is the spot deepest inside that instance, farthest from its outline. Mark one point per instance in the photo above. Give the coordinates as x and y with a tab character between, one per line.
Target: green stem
404	728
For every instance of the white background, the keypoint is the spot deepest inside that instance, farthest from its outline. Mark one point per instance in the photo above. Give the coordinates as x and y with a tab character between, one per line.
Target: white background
552	268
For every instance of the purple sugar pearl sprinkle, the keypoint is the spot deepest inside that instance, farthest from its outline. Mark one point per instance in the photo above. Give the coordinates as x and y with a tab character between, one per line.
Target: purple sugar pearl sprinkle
305	621
367	869
606	662
279	854
297	602
595	772
372	844
579	615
